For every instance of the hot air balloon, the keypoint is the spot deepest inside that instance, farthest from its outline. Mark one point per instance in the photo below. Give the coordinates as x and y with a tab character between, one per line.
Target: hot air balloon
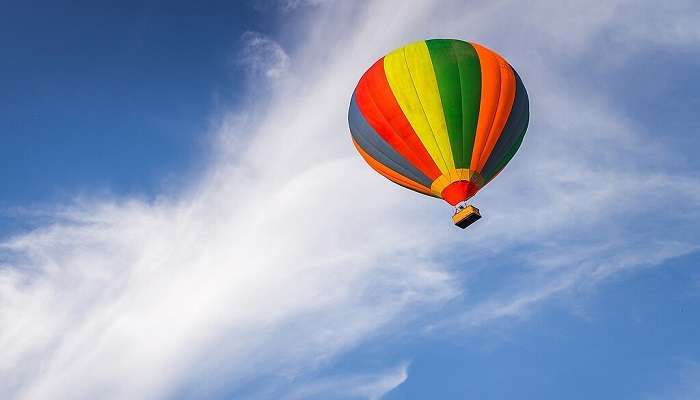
441	117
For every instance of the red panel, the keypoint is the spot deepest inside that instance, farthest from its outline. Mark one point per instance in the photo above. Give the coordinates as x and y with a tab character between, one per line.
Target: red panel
381	110
459	191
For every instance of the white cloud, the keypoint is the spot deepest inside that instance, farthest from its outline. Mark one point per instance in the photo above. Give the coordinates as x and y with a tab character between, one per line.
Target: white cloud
561	269
294	4
671	24
685	386
238	285
263	57
358	386
289	251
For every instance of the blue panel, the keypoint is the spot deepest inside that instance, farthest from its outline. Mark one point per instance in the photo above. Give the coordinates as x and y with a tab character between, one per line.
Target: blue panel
512	132
367	138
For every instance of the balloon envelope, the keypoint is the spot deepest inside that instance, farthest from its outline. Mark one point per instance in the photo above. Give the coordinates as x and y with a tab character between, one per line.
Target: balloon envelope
442	117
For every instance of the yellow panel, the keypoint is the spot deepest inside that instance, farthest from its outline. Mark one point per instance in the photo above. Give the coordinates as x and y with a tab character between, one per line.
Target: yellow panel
411	77
454	175
440	183
421	67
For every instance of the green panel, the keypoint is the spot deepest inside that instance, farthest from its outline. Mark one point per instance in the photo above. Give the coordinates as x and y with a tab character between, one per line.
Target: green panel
470	82
447	74
458	73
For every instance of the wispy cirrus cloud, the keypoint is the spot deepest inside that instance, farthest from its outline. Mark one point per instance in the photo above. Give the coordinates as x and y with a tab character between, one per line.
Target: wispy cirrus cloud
288	252
371	386
686	386
263	57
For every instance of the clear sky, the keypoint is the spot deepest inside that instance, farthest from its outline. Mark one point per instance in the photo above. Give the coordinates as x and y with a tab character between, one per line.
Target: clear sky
183	214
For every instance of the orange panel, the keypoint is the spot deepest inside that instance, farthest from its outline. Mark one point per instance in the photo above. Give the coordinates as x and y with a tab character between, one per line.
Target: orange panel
505	104
490	93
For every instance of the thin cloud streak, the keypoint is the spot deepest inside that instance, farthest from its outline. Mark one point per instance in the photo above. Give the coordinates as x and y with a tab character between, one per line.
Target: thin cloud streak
262	57
685	386
359	386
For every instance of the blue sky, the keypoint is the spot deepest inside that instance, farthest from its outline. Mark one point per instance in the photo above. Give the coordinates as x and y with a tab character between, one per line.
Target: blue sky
93	94
172	177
